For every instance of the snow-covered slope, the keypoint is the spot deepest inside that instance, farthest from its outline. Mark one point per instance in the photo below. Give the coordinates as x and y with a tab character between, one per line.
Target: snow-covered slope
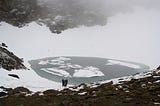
28	79
11	66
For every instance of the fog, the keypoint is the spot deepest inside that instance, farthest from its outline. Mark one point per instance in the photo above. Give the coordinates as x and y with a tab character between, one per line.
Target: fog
94	12
106	7
131	33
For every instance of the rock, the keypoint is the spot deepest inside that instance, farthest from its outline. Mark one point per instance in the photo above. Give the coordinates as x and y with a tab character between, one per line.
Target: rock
50	92
9	61
158	68
19	90
14	75
6	89
3	94
129	99
4	45
143	85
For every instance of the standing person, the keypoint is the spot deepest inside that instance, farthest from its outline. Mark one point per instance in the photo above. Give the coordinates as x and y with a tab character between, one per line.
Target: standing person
64	82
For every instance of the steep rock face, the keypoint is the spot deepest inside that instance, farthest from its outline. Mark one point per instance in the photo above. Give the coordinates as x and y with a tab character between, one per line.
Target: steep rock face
18	12
9	61
58	15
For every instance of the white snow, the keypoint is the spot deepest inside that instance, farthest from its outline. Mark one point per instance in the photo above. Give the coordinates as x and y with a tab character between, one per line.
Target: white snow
1	90
156	76
77	66
56	71
28	79
158	81
156	103
77	89
61	59
56	61
88	72
82	93
43	62
128	78
116	62
69	65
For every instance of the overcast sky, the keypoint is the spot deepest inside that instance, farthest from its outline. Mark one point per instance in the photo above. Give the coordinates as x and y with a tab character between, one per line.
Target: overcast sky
129	35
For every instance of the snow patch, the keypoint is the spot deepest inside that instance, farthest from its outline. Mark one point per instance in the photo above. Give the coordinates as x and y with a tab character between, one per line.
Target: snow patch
116	62
77	89
1	90
88	72
28	79
82	93
69	65
128	78
56	61
156	103
158	81
43	62
62	58
56	71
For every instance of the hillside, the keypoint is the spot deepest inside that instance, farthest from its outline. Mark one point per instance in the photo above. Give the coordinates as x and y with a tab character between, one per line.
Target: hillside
8	60
14	73
141	90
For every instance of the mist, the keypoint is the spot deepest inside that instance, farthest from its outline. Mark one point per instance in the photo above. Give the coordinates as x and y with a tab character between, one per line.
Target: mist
105	7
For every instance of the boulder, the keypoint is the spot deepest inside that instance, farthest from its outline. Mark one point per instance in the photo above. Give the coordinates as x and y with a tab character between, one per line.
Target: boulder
14	75
158	68
19	90
3	94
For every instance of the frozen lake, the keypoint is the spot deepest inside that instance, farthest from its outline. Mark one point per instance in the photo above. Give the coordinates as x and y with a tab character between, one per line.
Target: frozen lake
84	69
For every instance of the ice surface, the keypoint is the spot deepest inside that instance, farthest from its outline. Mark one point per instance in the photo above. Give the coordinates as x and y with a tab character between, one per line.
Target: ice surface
88	72
114	62
55	71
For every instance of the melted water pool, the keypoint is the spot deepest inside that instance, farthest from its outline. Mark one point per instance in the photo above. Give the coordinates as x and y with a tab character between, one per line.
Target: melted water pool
84	69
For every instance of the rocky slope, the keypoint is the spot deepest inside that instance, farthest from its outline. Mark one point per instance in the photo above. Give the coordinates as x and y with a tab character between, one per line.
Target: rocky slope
8	60
136	92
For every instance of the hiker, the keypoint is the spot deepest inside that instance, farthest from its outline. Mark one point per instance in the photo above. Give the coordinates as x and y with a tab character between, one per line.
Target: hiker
64	82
